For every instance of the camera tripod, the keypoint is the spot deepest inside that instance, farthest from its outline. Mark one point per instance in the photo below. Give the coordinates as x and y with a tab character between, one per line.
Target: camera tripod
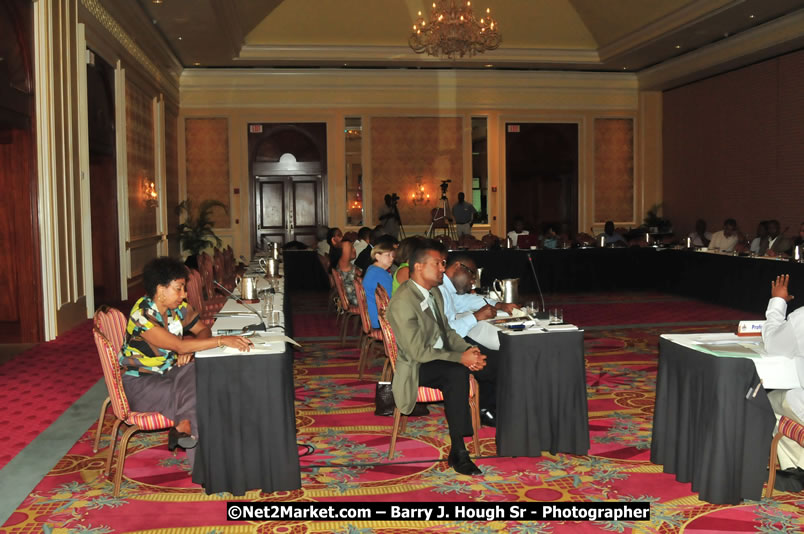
442	219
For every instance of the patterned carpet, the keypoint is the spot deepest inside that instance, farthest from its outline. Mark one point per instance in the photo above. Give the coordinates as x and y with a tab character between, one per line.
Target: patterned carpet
335	417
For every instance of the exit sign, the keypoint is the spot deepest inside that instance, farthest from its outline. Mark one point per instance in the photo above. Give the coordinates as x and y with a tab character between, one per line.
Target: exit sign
255	128
513	128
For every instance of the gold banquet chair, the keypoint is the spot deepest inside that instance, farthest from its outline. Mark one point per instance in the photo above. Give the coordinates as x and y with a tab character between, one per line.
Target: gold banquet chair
425	394
112	324
369	337
134	421
788	428
345	310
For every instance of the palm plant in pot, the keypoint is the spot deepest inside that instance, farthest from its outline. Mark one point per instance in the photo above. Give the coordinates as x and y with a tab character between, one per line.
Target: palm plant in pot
195	233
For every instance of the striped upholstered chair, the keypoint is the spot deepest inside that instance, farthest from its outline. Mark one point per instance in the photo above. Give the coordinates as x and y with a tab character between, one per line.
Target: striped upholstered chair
369	337
425	394
345	310
788	428
134	421
112	324
195	297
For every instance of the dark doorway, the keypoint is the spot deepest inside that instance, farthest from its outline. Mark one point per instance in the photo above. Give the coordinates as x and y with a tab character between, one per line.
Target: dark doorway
288	181
541	162
21	317
103	182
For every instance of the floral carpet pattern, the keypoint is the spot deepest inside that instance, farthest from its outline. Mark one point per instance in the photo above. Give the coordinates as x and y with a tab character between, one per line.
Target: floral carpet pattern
349	444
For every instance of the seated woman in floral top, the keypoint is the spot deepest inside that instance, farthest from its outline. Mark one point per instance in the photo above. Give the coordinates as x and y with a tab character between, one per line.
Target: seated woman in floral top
157	361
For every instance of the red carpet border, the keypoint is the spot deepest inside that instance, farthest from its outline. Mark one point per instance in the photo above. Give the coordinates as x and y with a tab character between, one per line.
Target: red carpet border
335	417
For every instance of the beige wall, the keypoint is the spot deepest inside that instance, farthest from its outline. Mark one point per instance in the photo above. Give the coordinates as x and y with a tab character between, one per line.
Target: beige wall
244	96
734	147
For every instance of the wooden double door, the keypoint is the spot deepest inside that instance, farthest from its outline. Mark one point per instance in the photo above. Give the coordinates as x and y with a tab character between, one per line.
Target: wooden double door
288	208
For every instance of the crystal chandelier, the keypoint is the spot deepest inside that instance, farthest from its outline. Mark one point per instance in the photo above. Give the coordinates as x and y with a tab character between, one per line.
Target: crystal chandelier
453	31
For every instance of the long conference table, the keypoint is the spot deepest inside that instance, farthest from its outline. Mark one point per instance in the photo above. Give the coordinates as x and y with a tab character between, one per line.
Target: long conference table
245	408
735	281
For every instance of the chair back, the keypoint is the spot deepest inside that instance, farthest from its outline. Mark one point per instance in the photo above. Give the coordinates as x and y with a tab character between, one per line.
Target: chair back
362	306
112	375
229	267
381	298
217	268
343	301
112	324
388	338
194	296
205	269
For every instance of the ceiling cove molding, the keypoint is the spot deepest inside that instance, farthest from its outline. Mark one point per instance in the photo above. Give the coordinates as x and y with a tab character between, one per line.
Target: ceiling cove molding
230	23
113	27
348	53
773	38
440	90
687	15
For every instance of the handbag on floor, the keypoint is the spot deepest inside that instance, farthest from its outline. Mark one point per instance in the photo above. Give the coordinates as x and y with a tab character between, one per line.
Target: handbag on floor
383	399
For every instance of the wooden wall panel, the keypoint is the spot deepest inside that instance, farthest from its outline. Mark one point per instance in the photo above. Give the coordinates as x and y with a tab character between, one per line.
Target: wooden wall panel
614	170
140	159
733	147
404	148
207	163
172	173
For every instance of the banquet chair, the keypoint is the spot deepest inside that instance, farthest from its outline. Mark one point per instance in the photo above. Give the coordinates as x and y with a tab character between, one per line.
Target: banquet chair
345	310
369	337
134	421
425	394
788	428
213	299
112	323
195	297
382	299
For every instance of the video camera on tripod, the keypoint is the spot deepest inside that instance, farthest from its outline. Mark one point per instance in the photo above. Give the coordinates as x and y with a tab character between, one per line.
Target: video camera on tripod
444	186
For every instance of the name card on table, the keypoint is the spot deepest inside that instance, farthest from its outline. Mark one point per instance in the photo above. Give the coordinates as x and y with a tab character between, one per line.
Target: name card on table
750	328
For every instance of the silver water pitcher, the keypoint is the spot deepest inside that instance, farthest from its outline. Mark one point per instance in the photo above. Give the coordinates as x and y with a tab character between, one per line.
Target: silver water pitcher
248	287
506	290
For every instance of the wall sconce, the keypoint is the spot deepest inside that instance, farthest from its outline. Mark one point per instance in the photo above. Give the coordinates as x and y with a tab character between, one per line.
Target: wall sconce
419	196
149	193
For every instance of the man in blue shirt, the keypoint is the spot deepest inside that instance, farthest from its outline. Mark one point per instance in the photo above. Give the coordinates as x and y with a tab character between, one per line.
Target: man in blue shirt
464	312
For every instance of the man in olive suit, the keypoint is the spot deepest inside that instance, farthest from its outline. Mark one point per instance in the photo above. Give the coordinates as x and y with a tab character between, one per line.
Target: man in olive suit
432	354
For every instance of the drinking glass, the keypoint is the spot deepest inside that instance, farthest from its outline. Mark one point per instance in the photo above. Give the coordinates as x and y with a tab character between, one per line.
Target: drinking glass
556	316
276	318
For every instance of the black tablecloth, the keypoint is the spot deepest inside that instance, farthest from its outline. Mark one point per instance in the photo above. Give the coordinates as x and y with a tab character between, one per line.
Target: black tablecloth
247	423
705	430
541	395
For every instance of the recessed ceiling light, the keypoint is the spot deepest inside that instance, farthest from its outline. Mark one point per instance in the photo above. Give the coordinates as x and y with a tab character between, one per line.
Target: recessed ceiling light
625	68
750	16
488	65
197	64
678	46
179	37
157	1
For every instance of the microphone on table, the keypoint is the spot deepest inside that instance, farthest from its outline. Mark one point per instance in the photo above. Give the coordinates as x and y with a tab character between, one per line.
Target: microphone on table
533	270
249	307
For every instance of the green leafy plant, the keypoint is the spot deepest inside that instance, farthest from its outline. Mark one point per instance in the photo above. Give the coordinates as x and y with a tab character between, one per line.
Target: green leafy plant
652	219
195	233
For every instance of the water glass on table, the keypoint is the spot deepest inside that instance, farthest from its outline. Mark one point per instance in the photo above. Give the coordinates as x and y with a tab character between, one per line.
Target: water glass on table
556	316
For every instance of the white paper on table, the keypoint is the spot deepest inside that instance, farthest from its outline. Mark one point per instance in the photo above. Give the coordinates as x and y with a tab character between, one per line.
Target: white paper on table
560	327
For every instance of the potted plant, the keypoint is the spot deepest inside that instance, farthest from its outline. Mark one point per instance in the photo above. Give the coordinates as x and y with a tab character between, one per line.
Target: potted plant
195	233
655	223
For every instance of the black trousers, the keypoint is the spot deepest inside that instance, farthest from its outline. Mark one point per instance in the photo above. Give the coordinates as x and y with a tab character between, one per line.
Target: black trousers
487	377
453	381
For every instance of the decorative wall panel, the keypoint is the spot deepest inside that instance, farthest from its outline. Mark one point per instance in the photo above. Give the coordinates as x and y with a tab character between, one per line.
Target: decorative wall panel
140	160
207	163
733	147
171	170
404	149
614	170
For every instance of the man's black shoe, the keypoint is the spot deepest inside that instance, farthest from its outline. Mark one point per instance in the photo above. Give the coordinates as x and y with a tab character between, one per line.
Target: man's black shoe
462	464
487	418
791	480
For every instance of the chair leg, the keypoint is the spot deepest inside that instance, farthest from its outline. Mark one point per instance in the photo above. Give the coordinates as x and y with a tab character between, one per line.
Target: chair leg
343	329
386	370
394	433
112	443
361	364
121	458
772	466
101	417
474	405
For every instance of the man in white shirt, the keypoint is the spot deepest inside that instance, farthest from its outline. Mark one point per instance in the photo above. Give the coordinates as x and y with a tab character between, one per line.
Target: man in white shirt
786	338
465	312
519	229
725	240
362	242
700	237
